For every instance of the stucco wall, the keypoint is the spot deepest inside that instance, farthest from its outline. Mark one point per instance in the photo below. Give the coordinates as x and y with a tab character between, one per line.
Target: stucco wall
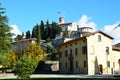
80	58
97	54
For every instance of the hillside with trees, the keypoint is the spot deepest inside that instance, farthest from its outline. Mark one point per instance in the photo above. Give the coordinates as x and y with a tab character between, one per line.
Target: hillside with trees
42	31
47	31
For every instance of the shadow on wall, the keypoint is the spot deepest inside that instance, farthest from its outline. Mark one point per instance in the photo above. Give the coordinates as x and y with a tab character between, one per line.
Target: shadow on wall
97	70
44	68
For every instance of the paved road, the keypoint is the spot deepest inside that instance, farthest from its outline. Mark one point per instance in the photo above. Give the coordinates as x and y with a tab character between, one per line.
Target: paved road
8	76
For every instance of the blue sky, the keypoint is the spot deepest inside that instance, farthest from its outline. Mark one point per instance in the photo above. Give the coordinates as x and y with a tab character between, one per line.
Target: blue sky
26	13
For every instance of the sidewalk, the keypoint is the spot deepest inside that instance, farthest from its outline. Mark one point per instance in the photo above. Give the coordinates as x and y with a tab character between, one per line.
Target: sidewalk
7	76
81	76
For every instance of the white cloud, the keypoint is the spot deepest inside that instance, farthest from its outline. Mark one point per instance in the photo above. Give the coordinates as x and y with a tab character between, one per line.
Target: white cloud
109	29
15	30
112	31
85	21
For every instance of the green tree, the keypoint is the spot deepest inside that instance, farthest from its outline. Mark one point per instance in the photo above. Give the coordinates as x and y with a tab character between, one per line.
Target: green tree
27	62
19	37
36	33
42	30
48	30
35	51
11	58
25	66
49	48
33	32
66	33
28	34
55	29
5	37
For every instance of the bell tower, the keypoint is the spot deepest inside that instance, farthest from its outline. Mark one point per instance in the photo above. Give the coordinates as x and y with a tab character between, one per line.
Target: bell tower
61	20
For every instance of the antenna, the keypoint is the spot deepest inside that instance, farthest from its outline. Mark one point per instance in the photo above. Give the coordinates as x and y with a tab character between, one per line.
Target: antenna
61	17
61	14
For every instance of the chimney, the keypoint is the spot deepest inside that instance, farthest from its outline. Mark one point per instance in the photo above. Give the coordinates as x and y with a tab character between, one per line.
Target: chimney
61	20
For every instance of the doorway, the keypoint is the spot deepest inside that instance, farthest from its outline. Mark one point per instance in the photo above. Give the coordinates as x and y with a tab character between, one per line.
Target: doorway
101	69
71	66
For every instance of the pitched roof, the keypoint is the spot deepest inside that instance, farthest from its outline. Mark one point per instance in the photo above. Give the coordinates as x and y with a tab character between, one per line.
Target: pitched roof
26	40
71	41
81	38
115	48
103	34
85	27
65	24
117	45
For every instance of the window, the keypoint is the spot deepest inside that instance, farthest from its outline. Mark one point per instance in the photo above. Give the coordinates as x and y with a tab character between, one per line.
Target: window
60	54
85	64
60	65
66	65
99	38
66	53
76	43
76	64
71	53
108	63
76	51
70	44
65	29
83	40
107	50
84	49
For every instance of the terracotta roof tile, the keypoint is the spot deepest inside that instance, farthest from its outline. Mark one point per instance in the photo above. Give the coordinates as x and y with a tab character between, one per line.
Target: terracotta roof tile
26	40
116	48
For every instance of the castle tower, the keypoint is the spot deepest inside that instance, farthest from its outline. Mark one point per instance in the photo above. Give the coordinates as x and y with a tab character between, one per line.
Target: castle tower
61	20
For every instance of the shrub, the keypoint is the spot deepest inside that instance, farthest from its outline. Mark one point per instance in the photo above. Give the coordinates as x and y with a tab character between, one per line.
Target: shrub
24	67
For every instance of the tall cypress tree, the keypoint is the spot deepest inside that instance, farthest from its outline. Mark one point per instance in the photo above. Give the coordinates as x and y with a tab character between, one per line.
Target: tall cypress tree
28	34
33	32
36	33
42	30
48	30
38	36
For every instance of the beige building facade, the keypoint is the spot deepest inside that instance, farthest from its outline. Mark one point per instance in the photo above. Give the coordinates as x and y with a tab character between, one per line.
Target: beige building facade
91	54
21	44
